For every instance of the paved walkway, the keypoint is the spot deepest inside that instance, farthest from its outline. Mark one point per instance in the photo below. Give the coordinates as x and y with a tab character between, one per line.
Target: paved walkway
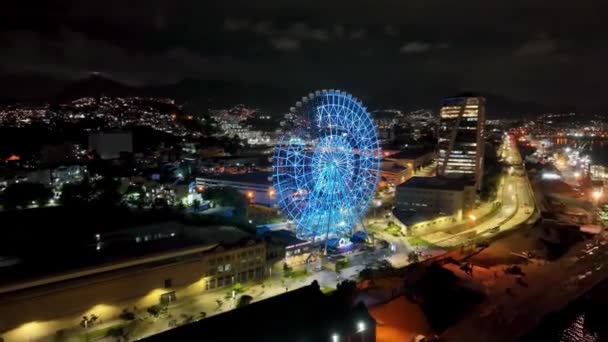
188	309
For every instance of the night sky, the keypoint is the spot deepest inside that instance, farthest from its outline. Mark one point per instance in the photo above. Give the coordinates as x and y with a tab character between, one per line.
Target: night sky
547	52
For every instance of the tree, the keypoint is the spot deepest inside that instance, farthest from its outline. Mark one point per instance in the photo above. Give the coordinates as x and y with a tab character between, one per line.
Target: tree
23	194
244	300
76	194
227	197
135	195
106	191
412	257
346	292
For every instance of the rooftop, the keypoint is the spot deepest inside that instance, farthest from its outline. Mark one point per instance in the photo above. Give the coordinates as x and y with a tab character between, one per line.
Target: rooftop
282	237
411	153
410	217
391	166
74	254
251	177
436	183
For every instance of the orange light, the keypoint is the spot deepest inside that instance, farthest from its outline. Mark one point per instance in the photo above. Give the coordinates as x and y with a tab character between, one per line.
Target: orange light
250	194
271	193
13	157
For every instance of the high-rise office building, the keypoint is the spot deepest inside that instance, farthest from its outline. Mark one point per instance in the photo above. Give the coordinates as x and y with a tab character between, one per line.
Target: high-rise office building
461	137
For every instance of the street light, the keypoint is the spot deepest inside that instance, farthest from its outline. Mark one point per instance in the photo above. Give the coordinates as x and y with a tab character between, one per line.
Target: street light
597	195
335	338
360	326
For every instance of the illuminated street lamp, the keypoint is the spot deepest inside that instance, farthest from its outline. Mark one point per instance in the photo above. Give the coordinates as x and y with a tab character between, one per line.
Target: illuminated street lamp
472	217
360	326
597	195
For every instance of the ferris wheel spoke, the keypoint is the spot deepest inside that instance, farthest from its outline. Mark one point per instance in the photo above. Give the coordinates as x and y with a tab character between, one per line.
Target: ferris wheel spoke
327	181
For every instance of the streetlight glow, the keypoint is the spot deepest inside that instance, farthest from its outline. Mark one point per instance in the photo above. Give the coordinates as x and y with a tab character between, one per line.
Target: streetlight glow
335	338
360	326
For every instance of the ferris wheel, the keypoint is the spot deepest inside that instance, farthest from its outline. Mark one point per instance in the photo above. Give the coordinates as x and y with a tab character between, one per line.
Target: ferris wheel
326	170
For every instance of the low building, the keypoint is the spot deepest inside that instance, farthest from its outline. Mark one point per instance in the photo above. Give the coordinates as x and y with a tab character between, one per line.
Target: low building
255	186
133	272
431	198
284	247
305	314
394	173
413	158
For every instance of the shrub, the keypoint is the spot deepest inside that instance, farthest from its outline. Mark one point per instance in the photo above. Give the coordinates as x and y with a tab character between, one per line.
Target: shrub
244	300
126	315
156	310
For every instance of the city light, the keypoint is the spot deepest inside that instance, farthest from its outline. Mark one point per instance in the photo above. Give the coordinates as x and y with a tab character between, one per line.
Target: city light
335	338
551	175
472	217
360	326
597	195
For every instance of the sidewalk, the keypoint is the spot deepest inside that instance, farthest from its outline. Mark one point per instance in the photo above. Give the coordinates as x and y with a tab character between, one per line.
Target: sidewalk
190	309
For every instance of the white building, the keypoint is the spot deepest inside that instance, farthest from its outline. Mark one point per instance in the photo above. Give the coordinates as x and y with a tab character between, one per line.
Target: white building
429	198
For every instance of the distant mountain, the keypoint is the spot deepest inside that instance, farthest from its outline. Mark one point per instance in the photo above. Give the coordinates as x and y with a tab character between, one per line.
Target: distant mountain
199	95
203	94
95	85
498	106
196	94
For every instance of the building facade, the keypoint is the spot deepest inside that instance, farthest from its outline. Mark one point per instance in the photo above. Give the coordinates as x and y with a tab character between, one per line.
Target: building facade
39	307
436	196
460	147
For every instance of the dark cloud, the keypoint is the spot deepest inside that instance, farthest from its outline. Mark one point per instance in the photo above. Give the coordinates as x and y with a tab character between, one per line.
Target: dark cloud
525	49
419	47
285	44
542	45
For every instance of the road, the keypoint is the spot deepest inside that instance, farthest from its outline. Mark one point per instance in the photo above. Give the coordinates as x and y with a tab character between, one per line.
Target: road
516	196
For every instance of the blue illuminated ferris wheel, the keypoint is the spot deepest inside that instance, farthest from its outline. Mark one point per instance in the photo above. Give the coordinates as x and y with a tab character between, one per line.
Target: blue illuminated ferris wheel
326	169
